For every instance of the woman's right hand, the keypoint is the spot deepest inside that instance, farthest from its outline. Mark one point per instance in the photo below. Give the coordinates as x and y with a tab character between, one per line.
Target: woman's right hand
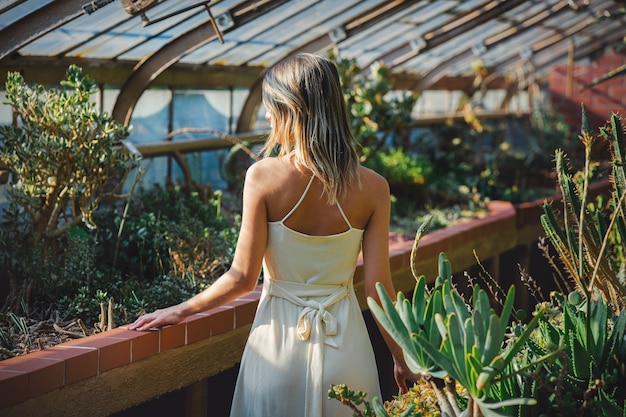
402	374
158	319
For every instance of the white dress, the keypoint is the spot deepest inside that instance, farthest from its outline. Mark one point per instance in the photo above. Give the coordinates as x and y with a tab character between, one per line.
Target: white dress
308	332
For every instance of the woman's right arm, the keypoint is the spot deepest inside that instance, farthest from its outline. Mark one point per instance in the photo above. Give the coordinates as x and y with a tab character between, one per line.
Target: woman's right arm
242	276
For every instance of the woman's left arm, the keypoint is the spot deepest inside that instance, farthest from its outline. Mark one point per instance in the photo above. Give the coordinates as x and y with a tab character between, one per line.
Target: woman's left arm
376	269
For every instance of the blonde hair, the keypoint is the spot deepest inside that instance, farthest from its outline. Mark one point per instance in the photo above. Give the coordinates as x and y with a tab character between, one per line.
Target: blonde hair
303	95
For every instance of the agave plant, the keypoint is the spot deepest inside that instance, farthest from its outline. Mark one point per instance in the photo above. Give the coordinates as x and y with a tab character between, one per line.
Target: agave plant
443	338
467	346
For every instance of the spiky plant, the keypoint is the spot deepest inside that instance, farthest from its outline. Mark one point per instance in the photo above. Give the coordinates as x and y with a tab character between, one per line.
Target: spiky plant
588	239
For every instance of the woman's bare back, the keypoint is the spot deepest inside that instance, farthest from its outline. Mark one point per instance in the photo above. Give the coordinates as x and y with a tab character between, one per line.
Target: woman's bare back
315	216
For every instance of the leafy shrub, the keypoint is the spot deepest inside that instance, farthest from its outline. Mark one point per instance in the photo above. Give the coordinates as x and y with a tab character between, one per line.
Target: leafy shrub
378	113
166	231
65	154
68	251
172	246
407	174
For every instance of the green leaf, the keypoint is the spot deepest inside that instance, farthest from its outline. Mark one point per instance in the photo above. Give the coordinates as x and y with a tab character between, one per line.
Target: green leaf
580	357
445	270
378	408
481	304
479	330
433	309
493	339
598	326
441	326
475	366
617	342
521	340
608	406
403	307
420	301
388	317
390	320
456	338
507	307
439	358
506	403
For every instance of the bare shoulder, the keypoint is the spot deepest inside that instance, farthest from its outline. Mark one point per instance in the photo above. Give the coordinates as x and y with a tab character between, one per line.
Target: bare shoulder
373	183
265	171
262	167
272	177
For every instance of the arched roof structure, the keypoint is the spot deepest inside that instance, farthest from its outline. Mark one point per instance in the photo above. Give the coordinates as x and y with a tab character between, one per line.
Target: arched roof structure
427	44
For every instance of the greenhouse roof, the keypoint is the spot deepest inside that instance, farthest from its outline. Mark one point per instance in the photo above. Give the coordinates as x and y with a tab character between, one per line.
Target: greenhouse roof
427	44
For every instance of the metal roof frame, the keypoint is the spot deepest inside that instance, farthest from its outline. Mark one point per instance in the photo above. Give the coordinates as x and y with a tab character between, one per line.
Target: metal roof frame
428	44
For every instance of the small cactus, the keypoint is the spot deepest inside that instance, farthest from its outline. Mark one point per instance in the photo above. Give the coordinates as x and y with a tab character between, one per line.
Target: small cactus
591	242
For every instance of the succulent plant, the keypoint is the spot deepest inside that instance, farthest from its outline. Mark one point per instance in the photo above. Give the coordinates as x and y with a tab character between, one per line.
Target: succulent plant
443	337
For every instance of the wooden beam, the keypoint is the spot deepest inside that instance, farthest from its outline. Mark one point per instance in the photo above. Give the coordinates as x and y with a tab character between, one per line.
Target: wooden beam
169	148
392	9
38	23
51	70
409	82
546	44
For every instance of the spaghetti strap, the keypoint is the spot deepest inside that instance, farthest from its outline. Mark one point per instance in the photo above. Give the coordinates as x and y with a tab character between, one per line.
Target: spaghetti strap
306	190
344	215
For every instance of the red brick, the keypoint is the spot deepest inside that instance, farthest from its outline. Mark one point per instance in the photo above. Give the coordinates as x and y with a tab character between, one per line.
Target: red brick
245	309
198	327
44	375
611	61
173	336
606	100
430	246
114	351
398	259
222	319
80	362
142	344
13	387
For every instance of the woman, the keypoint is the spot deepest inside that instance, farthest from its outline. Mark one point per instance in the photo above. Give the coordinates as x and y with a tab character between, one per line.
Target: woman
307	214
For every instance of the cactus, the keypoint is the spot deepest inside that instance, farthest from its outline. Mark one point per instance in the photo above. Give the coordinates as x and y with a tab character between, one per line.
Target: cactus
590	243
586	376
